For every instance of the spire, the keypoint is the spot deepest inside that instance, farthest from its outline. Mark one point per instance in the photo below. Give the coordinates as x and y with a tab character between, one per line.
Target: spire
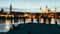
46	6
10	7
46	9
40	10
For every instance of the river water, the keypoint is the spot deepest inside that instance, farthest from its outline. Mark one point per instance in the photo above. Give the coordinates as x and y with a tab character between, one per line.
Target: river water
6	24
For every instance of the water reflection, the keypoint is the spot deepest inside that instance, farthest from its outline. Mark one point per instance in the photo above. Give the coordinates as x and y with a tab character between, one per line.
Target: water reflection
34	20
58	22
41	20
52	21
47	21
28	20
6	24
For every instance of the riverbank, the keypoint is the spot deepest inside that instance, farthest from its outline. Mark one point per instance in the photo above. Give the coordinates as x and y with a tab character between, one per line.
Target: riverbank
36	28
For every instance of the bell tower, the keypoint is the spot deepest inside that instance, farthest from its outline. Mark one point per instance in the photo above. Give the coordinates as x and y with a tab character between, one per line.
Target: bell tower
41	10
46	9
10	8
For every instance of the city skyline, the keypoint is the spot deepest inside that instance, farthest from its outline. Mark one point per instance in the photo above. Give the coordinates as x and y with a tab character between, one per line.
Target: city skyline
31	4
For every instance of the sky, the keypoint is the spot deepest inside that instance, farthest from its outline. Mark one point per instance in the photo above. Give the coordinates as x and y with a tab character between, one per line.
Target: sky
27	4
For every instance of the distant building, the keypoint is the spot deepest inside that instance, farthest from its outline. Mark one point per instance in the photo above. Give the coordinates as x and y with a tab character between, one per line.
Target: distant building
10	8
46	9
49	11
41	10
2	10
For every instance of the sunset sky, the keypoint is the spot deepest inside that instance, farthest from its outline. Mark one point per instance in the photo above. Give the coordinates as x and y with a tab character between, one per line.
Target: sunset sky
30	3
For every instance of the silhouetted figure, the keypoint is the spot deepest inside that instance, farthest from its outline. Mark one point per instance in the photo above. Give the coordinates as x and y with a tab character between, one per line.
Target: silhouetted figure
13	26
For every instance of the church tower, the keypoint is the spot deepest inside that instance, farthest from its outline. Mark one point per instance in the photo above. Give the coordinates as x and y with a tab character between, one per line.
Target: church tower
10	8
46	9
41	10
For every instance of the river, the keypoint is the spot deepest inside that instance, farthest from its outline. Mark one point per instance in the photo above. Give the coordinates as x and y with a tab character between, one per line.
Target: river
6	24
